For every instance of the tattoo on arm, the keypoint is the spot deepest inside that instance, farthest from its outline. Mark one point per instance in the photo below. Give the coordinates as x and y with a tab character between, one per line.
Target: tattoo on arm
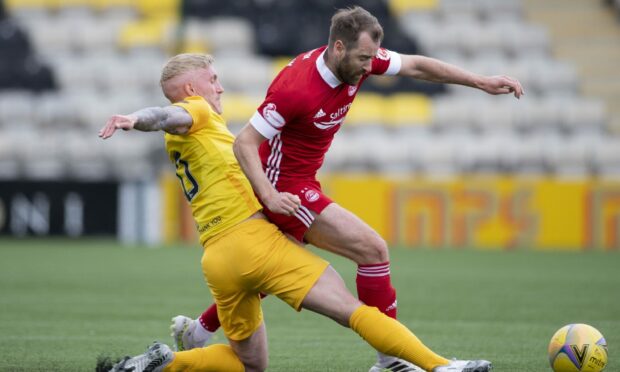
171	119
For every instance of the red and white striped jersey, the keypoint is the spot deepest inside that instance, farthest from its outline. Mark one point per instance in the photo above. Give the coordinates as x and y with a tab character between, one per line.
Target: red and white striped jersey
304	108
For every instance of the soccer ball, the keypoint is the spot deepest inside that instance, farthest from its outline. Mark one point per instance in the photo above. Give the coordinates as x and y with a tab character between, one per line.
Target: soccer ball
578	348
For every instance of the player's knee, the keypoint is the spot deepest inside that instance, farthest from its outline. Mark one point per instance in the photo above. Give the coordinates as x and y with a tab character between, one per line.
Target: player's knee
376	251
256	363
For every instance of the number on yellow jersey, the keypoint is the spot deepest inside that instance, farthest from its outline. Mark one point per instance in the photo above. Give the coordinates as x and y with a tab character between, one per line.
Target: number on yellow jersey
183	170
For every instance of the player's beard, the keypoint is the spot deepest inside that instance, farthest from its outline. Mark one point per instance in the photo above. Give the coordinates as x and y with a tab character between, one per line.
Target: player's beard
347	72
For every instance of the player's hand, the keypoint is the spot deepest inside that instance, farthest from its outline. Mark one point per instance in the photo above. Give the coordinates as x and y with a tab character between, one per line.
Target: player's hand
502	84
283	203
124	122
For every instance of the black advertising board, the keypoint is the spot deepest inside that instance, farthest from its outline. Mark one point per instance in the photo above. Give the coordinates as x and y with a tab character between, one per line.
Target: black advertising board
71	209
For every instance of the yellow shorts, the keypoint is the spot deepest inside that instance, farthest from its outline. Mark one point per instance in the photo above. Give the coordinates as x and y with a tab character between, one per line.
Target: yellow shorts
251	258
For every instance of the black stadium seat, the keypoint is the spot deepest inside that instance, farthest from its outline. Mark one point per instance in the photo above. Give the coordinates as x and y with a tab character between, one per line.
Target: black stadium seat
215	8
19	69
14	43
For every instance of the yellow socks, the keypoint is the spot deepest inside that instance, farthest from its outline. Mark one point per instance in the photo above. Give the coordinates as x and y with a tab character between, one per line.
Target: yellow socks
390	337
383	333
217	357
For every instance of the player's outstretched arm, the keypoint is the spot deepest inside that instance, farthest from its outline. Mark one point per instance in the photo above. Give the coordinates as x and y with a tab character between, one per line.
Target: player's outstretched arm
246	151
171	119
430	69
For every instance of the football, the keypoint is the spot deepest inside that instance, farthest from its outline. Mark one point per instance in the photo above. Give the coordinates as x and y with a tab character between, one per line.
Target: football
578	348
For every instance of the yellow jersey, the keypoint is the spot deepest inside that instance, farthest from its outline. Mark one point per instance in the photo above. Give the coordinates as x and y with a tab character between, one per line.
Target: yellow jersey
219	193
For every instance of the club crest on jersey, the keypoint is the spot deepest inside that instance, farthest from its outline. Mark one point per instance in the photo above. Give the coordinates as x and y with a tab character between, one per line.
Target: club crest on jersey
383	54
272	116
311	196
352	90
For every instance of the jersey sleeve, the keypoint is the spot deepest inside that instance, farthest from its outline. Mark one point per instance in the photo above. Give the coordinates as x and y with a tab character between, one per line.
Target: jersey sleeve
386	62
199	110
274	113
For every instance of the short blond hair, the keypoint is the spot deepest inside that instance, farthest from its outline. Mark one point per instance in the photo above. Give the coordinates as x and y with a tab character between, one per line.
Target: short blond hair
182	63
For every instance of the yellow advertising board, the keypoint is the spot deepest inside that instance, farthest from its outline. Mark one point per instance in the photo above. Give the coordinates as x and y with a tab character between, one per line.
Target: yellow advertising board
491	212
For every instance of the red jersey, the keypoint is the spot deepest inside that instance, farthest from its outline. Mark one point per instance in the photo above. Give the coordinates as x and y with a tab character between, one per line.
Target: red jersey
304	108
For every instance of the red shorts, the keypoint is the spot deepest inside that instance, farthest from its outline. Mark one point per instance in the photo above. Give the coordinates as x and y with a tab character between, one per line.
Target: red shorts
312	199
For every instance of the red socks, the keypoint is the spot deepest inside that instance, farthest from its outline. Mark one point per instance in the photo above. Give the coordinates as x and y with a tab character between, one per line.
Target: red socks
209	319
374	287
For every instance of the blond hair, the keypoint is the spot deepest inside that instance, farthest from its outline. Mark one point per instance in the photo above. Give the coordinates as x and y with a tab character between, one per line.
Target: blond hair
182	63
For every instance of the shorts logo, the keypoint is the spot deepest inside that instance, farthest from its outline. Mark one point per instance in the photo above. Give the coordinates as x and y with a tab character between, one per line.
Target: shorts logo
383	54
312	196
352	90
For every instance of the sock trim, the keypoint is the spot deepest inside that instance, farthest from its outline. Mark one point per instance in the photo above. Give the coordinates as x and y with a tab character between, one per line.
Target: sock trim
374	270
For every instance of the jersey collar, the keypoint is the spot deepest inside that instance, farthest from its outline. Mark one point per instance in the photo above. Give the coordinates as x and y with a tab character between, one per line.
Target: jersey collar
327	74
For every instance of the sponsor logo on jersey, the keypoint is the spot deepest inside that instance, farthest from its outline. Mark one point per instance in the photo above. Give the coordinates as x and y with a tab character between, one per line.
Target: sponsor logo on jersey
328	124
312	196
352	90
320	114
336	118
383	54
341	111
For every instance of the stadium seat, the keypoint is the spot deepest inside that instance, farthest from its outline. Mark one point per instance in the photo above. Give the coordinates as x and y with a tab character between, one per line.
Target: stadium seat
55	110
144	34
130	156
367	109
86	157
606	157
500	10
458	8
159	9
97	36
390	153
482	153
14	43
398	40
584	116
238	75
378	8
529	154
16	108
407	109
207	9
452	113
401	7
271	39
229	36
434	154
16	5
44	161
571	156
239	108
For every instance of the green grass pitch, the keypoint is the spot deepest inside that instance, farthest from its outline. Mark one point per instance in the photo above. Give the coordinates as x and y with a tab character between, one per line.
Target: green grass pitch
63	303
